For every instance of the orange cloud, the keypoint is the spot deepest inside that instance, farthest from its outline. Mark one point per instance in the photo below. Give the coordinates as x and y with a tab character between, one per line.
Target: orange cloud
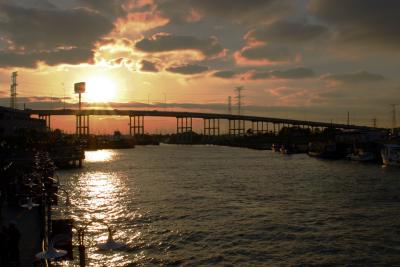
134	24
259	54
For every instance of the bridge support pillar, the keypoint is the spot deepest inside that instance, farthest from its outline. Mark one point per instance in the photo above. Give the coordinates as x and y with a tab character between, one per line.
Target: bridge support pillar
46	118
276	128
184	129
259	127
137	128
236	127
211	127
82	125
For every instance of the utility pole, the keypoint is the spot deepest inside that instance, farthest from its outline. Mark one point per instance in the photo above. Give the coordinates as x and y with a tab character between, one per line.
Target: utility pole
239	97
374	122
13	90
64	94
229	104
165	101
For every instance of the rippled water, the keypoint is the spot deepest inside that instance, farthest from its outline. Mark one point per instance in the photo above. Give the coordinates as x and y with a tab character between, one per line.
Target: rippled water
210	205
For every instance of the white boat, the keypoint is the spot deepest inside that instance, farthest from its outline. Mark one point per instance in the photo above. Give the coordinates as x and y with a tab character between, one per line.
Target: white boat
391	154
361	155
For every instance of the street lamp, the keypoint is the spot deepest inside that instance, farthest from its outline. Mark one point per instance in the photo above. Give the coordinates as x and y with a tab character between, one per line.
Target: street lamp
29	204
67	199
31	184
51	252
110	244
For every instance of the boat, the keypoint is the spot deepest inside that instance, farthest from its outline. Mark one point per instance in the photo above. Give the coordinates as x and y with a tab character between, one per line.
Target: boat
288	149
326	150
391	154
362	155
275	148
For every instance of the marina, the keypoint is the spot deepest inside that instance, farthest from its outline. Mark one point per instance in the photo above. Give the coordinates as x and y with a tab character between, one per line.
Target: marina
199	133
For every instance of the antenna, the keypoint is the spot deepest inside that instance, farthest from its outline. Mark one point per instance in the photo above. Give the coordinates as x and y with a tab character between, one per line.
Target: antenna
239	97
229	104
13	90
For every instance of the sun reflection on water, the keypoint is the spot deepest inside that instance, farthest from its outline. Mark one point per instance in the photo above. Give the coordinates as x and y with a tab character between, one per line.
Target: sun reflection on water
103	202
99	155
100	199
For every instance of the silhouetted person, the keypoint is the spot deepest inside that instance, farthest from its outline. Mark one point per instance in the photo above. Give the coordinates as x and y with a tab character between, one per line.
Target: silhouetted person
4	259
13	242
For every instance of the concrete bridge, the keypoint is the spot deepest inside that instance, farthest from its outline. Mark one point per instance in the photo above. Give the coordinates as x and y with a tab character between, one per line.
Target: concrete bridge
184	121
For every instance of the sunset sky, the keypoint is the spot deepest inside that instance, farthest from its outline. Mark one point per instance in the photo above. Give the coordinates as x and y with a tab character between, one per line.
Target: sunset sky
304	59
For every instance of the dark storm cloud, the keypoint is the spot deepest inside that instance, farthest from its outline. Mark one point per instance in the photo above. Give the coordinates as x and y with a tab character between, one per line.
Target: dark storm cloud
106	7
33	28
356	77
285	31
148	66
30	60
51	35
226	74
188	69
361	21
269	53
165	43
295	73
260	75
242	11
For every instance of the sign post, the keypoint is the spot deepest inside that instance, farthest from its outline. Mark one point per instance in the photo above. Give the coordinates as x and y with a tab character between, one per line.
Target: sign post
80	88
82	126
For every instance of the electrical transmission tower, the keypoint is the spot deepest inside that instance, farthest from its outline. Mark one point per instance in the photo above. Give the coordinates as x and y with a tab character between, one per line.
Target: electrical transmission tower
239	98
13	90
229	105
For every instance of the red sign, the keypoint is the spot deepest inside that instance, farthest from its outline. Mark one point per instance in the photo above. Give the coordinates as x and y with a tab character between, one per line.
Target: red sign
79	87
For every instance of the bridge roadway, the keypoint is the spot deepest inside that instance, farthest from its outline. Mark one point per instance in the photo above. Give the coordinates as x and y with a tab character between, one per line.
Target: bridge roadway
182	124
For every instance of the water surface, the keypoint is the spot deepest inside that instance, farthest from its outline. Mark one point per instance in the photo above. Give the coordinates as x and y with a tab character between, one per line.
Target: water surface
210	205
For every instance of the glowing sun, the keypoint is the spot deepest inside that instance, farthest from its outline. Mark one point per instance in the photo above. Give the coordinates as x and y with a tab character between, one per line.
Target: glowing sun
100	89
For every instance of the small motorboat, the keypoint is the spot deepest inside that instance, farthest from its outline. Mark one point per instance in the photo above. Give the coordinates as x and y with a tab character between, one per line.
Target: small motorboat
275	148
361	155
391	154
288	149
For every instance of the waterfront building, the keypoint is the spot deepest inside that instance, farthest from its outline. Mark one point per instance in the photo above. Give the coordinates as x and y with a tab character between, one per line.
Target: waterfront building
14	120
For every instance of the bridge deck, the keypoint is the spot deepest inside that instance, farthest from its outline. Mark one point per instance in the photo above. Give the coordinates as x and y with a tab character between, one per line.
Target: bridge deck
179	114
